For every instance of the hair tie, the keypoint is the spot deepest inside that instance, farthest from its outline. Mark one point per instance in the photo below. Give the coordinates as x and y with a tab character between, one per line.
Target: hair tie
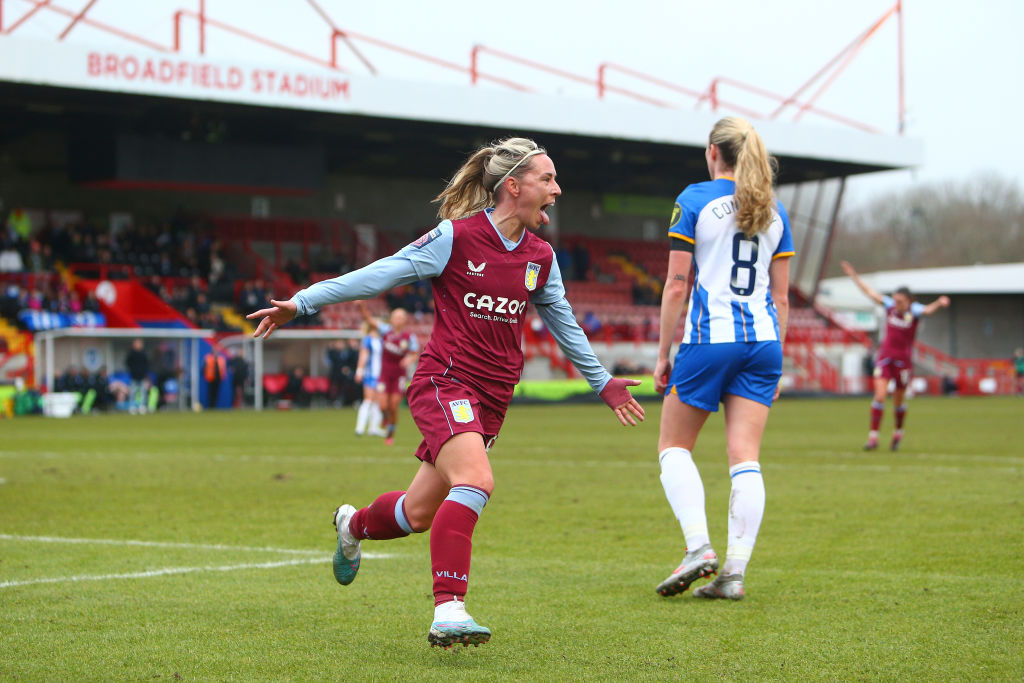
525	157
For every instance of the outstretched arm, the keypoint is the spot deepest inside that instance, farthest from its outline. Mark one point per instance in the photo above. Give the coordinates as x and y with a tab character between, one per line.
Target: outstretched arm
557	314
368	317
573	342
871	293
941	302
423	259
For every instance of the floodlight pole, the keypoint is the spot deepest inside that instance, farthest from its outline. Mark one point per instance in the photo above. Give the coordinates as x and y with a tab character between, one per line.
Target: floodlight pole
899	66
202	27
257	373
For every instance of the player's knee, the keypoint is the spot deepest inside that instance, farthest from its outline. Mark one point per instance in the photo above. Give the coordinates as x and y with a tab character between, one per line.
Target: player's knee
420	520
483	480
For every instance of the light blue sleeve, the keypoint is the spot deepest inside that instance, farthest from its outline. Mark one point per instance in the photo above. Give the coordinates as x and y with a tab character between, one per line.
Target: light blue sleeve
887	302
557	314
414	343
917	309
423	259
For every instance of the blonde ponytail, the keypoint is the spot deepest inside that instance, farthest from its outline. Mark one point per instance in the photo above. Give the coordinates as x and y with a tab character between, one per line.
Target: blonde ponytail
473	187
743	149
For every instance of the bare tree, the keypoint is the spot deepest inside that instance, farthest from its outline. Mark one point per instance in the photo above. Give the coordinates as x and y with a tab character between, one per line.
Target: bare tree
933	225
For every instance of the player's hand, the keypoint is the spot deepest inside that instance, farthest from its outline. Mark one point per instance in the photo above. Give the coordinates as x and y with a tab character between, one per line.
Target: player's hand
662	370
272	318
848	269
617	396
359	375
778	390
944	301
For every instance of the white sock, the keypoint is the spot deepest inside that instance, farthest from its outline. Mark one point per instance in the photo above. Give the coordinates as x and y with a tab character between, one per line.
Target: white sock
746	509
685	493
375	417
363	416
453	610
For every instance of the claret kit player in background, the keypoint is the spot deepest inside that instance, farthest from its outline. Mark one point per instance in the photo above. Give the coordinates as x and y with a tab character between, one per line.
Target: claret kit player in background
399	349
486	268
895	360
730	251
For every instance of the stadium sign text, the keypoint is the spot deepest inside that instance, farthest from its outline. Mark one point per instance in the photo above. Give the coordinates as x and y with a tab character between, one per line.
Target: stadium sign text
206	76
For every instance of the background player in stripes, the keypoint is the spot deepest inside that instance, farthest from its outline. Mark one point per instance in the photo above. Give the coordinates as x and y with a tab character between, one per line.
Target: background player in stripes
730	246
486	268
369	416
895	360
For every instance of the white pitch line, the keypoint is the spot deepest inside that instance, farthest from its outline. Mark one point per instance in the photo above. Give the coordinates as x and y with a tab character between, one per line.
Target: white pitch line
163	572
157	544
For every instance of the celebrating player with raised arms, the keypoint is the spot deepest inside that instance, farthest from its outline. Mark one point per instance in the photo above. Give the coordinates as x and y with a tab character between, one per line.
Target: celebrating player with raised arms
486	268
895	356
732	237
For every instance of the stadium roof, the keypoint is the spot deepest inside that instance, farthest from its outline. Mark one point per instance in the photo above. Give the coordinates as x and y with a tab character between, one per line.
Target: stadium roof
377	125
1001	278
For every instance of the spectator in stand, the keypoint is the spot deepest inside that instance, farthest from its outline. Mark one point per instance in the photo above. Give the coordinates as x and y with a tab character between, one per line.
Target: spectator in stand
67	380
36	300
239	368
564	258
338	372
193	291
154	284
581	262
252	295
215	369
19	225
40	257
100	382
10	257
137	363
202	304
294	387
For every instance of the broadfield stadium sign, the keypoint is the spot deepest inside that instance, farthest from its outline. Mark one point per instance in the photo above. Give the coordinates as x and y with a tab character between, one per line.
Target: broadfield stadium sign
171	75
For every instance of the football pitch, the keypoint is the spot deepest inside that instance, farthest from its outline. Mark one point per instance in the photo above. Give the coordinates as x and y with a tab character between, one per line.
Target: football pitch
198	546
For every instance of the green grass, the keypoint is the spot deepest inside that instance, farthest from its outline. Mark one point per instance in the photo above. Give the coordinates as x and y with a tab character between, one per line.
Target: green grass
868	567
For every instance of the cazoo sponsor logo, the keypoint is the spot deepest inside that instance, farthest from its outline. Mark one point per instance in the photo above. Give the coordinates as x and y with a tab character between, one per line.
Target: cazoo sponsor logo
498	305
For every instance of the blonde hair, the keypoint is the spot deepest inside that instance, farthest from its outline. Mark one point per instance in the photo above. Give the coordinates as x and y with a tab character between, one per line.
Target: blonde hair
475	183
743	150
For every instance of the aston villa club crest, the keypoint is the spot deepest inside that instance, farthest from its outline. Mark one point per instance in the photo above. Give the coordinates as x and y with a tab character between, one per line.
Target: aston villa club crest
532	273
462	411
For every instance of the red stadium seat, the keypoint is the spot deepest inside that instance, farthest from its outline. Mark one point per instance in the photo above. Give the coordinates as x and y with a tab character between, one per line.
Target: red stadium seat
274	384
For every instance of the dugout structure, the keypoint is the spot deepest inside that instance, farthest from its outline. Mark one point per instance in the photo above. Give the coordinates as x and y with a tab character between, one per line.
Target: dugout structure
92	348
306	346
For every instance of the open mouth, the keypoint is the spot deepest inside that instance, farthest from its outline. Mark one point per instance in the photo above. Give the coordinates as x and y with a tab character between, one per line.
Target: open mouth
544	218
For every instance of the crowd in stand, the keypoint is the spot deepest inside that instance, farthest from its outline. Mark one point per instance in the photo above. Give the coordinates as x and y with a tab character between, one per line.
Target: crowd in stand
48	295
